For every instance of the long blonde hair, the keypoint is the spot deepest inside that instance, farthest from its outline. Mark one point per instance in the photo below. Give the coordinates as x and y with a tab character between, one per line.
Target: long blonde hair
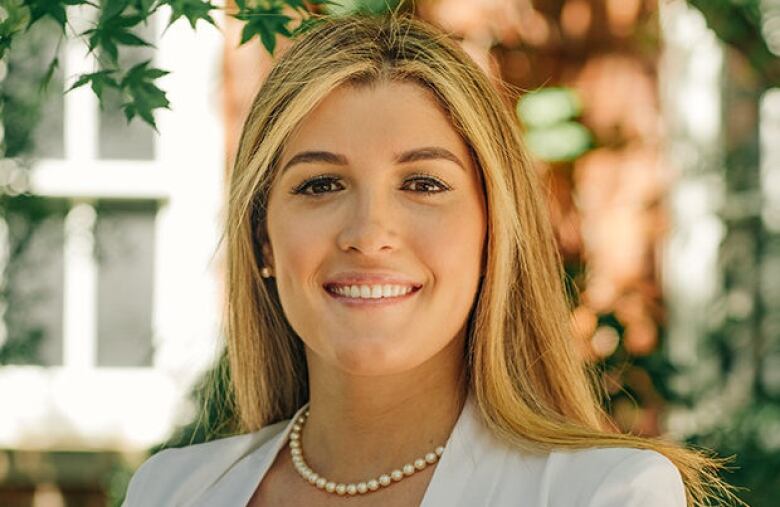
531	387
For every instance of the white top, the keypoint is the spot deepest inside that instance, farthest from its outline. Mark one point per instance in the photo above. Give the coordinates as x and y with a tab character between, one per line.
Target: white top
476	469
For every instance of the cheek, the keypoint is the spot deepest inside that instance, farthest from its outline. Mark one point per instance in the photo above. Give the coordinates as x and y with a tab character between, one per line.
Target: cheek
451	244
299	245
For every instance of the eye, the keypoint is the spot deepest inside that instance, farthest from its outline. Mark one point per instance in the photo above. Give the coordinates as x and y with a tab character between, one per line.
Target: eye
428	185
321	185
318	185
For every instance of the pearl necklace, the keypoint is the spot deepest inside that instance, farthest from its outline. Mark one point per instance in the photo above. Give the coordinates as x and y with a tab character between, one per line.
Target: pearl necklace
384	480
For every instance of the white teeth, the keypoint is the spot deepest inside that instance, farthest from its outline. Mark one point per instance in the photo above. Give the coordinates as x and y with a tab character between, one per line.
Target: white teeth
372	291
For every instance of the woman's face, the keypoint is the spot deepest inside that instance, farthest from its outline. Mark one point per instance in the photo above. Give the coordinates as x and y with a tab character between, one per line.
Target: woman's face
376	191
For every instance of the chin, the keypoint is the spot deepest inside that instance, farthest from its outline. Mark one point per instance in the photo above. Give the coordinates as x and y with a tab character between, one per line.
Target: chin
373	359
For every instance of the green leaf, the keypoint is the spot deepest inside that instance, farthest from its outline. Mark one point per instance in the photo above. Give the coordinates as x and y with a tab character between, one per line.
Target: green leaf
193	10
130	39
113	29
559	143
54	9
265	23
17	19
548	106
348	7
112	8
141	72
53	65
144	7
99	81
143	95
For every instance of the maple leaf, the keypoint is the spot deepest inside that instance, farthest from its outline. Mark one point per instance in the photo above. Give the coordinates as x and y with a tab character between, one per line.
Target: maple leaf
264	22
193	10
113	28
144	7
98	81
143	95
54	9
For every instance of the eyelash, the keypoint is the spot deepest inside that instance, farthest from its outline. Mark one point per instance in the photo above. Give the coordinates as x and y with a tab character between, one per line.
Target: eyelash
325	179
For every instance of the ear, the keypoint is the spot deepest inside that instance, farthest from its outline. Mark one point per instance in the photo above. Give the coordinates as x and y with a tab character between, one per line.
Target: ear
268	255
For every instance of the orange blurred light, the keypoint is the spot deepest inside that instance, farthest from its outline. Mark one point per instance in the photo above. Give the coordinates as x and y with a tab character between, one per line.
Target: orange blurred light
641	337
576	17
534	28
622	15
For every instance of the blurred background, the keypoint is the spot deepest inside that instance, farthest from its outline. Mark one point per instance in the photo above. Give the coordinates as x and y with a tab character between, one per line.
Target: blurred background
655	125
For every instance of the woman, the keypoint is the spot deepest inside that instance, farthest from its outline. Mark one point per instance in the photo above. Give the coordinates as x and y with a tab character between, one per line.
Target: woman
397	326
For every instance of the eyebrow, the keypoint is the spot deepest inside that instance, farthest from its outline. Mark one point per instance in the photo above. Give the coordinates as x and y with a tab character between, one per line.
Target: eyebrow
414	155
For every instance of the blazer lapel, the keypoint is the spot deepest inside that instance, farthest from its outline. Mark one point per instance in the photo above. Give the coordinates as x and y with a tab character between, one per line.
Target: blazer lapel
468	471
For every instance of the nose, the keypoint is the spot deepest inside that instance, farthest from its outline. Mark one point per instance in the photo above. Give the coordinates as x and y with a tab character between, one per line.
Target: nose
369	225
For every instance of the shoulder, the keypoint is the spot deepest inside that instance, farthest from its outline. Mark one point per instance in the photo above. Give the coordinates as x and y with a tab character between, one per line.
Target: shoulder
612	477
165	477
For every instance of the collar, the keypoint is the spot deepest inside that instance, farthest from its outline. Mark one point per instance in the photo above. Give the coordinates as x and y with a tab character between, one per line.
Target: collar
467	447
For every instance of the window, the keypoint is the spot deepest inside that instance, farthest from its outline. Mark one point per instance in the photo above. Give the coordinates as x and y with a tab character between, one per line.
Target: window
124	247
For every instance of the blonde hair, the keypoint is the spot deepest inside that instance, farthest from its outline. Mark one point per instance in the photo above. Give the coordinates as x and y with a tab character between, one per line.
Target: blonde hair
531	387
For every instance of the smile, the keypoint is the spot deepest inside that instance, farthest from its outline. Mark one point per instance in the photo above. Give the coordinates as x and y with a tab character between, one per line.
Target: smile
361	295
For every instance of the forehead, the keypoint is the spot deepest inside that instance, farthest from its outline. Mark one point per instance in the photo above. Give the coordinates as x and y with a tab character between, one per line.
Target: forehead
383	117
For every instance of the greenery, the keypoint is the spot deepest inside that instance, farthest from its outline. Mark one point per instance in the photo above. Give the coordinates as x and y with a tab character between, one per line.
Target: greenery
737	22
112	32
740	23
554	133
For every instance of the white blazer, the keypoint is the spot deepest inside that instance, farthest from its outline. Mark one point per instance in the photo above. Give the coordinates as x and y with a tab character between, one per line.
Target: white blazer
476	469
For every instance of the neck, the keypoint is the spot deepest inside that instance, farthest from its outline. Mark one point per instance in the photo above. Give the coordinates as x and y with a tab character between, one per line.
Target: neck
364	426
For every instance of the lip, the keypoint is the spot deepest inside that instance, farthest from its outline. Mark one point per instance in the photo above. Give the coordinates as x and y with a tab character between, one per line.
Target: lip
370	278
364	278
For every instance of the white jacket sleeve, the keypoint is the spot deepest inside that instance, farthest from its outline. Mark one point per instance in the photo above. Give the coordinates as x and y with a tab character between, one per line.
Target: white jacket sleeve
140	488
644	479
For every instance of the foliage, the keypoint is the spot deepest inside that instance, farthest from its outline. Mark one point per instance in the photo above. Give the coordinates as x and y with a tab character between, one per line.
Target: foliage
113	30
24	215
736	21
552	134
755	470
549	114
346	7
740	24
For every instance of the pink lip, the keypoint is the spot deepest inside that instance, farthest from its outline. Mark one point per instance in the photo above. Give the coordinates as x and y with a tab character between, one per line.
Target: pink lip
357	278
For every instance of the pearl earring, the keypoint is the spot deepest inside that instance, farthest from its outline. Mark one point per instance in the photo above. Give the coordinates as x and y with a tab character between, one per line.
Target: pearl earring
265	272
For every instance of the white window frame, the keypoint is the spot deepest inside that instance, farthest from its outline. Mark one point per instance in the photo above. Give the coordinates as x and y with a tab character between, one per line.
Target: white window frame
79	405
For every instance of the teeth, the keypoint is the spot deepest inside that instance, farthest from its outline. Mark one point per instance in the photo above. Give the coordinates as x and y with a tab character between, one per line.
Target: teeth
372	291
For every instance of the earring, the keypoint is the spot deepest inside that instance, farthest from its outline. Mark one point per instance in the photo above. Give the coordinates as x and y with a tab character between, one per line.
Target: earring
265	272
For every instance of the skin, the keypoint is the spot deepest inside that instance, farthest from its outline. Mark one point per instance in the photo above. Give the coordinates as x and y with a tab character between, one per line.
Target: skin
386	382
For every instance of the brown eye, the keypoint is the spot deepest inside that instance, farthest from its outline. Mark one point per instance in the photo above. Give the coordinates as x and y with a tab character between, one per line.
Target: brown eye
428	185
318	186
